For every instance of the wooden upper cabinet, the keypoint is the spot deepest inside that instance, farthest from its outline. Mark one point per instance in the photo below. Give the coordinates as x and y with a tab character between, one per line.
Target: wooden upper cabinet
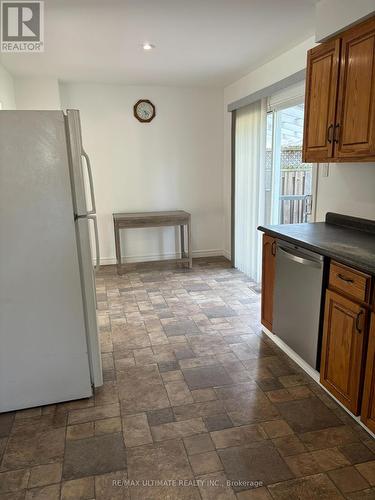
340	98
355	122
320	101
344	337
268	280
368	402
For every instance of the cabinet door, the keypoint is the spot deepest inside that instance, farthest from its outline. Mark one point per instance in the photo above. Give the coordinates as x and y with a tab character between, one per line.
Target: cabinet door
268	279
342	349
355	123
368	403
320	101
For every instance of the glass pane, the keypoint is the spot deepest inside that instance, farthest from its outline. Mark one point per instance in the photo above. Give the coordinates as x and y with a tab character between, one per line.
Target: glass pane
295	176
288	181
268	169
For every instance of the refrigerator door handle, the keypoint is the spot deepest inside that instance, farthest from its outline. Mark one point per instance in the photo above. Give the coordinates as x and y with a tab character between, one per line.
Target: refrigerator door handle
97	250
89	172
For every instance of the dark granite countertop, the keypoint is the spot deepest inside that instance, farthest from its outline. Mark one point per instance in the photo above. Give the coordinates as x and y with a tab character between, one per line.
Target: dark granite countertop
349	240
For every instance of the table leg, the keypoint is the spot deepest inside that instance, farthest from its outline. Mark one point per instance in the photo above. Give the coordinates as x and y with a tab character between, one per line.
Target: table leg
118	249
182	240
190	253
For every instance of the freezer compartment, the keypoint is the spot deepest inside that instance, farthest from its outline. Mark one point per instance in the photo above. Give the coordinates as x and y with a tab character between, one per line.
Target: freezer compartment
298	300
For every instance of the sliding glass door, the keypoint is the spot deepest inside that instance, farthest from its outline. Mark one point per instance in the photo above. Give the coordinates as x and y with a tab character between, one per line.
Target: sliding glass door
289	183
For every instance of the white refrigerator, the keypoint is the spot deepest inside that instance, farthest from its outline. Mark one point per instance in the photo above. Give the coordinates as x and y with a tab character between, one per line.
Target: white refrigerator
49	348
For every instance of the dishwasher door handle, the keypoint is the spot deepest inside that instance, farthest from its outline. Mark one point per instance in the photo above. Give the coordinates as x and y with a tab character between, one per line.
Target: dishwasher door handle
298	259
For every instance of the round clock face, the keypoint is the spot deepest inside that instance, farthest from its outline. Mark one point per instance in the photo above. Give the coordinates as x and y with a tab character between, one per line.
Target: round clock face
144	110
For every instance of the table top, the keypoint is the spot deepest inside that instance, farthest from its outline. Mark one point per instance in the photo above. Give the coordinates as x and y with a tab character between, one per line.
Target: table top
146	215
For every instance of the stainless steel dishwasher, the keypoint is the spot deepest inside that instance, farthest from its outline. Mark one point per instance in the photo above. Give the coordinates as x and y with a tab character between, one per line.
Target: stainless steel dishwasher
298	299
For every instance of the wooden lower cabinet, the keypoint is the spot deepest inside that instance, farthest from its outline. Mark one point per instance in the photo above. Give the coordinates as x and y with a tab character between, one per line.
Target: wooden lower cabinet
344	338
268	280
368	402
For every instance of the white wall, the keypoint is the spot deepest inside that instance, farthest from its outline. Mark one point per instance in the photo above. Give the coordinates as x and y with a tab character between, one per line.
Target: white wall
175	162
37	93
7	96
349	189
334	15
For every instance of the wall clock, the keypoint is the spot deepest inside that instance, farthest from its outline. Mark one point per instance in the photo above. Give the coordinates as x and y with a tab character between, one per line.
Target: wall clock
144	110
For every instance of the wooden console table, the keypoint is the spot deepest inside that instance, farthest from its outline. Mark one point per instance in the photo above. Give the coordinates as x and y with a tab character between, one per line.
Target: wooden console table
154	219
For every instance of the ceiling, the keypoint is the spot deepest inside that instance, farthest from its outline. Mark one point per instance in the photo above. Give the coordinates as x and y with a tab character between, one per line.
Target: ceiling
198	42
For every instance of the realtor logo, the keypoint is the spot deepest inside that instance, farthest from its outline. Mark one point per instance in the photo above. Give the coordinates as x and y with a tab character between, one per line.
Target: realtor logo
22	26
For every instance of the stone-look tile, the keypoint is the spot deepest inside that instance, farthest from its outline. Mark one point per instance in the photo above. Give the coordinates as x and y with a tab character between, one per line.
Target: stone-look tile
136	430
255	494
269	384
246	390
42	475
95	413
107	426
348	479
28	448
163	416
201	395
237	436
306	464
178	429
141	389
217	422
261	463
368	471
78	489
178	393
205	463
307	415
6	422
253	409
111	486
161	461
13	480
172	376
328	438
80	431
184	353
236	378
316	487
357	453
51	492
220	491
3	442
293	380
276	428
367	494
96	455
289	445
199	443
195	410
206	376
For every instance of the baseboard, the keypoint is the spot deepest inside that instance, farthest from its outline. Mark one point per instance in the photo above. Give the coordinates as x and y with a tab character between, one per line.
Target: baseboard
310	371
227	254
131	259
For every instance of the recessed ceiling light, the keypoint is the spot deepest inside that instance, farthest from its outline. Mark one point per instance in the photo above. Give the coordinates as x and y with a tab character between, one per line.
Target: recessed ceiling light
148	46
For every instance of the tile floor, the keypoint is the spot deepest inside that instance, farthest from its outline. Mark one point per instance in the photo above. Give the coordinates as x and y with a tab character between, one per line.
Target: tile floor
194	396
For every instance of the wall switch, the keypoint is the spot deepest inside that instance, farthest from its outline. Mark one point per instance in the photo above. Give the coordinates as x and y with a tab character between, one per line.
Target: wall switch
324	169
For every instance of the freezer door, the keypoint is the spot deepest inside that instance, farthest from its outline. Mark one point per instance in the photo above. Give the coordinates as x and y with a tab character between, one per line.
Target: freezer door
80	166
43	347
89	298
